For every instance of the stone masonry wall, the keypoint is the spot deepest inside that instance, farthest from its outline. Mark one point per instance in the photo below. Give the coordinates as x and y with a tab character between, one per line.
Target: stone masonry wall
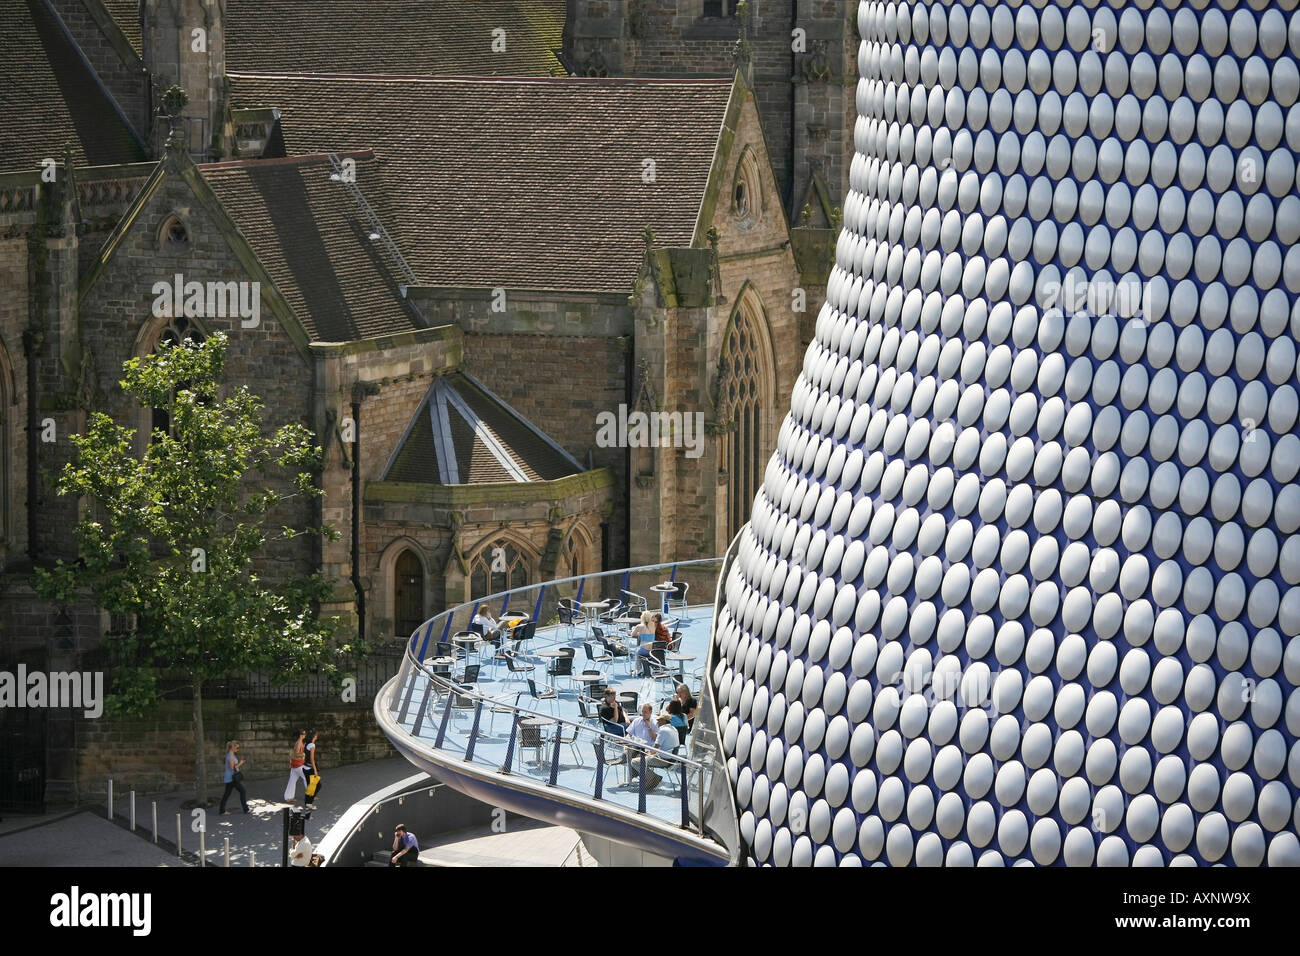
118	309
155	754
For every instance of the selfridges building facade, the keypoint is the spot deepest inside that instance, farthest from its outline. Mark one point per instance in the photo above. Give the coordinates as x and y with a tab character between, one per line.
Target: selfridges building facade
1022	583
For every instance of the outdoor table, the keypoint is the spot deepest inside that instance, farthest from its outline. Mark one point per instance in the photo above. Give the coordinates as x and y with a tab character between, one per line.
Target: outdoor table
551	652
663	590
469	642
681	660
591	610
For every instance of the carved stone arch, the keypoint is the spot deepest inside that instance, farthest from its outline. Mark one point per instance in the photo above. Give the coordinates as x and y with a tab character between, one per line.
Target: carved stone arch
748	199
578	544
744	405
391	590
519	558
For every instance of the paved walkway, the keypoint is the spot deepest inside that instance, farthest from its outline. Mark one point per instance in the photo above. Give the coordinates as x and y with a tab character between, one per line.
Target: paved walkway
258	833
83	839
526	843
262	830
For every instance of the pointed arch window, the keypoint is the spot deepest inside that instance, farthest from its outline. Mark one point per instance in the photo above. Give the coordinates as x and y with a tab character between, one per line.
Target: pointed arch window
746	394
498	567
176	331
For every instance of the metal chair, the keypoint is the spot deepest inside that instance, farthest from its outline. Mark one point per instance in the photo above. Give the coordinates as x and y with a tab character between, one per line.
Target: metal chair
469	675
548	694
571	615
563	667
570	739
601	659
678	596
530	738
523	634
501	707
635	603
515	664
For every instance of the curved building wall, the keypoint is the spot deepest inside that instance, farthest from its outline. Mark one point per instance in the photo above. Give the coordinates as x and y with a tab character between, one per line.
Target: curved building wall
1022	583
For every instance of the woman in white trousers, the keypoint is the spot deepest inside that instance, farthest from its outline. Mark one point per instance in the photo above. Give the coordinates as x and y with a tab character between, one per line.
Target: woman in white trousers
297	757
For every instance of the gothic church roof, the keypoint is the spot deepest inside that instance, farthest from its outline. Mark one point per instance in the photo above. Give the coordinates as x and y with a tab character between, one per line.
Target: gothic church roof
50	98
311	237
410	37
464	435
519	183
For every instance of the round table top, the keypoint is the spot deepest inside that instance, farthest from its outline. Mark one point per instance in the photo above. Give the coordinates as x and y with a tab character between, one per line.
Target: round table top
593	604
674	656
552	652
588	678
445	661
664	588
537	721
629	619
514	621
467	639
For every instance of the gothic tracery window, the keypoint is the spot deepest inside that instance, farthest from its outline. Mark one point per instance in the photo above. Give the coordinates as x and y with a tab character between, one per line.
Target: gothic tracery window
498	567
745	395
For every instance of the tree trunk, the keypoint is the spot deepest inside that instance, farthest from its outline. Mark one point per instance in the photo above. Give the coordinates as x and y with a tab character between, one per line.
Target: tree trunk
200	762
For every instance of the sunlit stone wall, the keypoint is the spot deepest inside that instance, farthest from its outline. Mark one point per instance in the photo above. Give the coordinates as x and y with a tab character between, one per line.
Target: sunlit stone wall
1021	585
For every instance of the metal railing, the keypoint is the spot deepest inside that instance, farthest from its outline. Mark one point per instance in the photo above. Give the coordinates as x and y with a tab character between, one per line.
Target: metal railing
428	703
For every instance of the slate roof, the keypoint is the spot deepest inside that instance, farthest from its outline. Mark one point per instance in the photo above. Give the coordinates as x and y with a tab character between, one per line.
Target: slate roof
414	37
518	183
49	97
462	435
314	241
126	13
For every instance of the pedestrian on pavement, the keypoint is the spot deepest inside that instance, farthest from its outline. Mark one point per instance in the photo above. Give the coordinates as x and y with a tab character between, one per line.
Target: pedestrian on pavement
297	757
233	776
308	799
301	852
406	849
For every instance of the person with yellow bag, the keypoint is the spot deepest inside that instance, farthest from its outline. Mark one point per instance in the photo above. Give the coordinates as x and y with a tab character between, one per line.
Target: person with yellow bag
313	776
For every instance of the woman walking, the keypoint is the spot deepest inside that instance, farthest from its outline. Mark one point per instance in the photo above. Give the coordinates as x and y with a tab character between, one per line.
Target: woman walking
312	770
297	757
233	777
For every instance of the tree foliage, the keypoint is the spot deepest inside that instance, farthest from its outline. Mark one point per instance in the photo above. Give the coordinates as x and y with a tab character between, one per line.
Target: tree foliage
174	537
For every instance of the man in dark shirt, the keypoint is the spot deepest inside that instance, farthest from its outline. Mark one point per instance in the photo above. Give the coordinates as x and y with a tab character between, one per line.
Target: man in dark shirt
612	710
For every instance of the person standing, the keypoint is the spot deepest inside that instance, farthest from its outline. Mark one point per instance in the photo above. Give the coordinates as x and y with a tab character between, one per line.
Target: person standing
302	850
233	776
406	849
297	757
312	770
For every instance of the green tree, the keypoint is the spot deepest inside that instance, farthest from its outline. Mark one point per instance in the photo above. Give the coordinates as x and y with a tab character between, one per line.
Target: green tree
173	537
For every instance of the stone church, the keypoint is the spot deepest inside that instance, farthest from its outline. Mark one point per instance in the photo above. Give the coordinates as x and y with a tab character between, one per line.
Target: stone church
475	231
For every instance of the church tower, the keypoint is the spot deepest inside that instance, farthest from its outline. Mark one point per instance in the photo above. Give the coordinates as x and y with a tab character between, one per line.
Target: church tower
184	44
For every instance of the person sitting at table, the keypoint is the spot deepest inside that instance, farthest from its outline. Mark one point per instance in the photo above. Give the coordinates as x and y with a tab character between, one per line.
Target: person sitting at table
667	738
676	717
612	710
485	621
643	634
645	728
661	631
686	701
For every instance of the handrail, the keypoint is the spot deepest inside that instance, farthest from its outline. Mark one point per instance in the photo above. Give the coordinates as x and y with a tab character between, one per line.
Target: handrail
404	694
581	578
463	690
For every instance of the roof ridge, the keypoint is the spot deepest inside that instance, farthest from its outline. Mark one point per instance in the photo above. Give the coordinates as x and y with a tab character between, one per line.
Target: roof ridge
719	80
303	159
